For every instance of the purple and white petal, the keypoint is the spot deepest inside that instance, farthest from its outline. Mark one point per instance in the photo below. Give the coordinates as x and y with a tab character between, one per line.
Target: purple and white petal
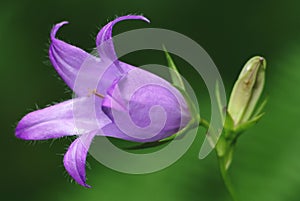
66	59
104	40
75	158
81	71
72	117
72	62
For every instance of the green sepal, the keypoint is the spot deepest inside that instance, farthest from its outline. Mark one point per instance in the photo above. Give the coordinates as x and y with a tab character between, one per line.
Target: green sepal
147	145
221	146
261	107
229	122
192	108
175	75
178	83
221	106
244	126
228	157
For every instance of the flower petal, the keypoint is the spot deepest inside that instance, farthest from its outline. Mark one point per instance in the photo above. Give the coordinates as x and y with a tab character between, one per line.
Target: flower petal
66	59
75	65
104	41
72	117
75	158
81	71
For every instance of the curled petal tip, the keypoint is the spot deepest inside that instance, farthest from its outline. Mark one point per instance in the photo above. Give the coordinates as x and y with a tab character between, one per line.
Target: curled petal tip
85	185
75	171
106	32
19	133
104	43
20	130
144	19
75	158
56	28
131	17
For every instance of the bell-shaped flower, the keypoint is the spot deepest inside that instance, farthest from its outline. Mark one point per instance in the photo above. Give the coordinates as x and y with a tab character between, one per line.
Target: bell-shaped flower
112	99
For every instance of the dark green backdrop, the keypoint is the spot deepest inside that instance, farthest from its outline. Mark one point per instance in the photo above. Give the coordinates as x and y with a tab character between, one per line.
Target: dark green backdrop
267	163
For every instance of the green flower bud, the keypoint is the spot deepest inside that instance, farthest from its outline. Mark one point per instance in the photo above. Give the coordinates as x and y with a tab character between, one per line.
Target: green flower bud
247	90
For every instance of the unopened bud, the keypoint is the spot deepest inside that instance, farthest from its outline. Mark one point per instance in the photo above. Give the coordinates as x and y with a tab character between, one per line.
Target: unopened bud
247	90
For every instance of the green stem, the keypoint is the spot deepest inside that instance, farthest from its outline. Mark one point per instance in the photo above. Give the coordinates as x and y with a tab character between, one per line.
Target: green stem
204	123
226	178
222	165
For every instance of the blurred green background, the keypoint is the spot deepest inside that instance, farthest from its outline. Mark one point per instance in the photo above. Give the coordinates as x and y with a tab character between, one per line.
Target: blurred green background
266	164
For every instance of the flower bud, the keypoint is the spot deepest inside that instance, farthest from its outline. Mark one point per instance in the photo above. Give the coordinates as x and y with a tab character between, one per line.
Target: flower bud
247	90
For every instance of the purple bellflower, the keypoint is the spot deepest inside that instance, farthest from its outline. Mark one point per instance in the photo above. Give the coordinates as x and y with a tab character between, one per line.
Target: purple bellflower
128	103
